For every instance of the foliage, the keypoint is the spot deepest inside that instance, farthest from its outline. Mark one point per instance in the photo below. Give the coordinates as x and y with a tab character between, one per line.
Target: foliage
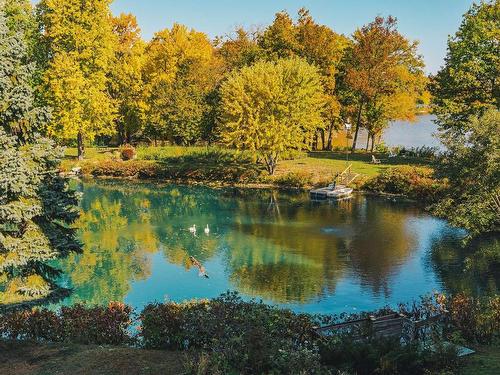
318	45
159	153
293	179
127	152
76	324
383	77
211	165
476	319
117	168
239	50
247	337
271	107
413	182
472	166
468	84
126	82
384	356
37	209
181	71
229	335
19	112
419	152
79	44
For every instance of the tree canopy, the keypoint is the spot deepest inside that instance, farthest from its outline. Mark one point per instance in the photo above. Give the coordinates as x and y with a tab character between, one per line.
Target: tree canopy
181	71
36	212
126	84
381	68
19	112
271	107
79	44
468	83
472	167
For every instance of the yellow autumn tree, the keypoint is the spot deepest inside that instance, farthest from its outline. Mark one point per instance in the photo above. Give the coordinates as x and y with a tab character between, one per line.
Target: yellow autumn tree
181	72
271	107
126	83
79	43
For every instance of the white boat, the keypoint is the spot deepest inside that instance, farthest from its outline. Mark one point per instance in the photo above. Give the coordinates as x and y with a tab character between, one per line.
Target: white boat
331	191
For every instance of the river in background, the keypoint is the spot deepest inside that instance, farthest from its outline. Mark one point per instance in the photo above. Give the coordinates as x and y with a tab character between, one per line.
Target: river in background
326	257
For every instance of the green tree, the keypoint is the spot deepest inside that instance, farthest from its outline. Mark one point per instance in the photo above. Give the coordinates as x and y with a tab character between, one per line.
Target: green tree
181	72
271	107
318	45
79	44
239	50
378	65
19	112
468	83
472	167
37	209
126	82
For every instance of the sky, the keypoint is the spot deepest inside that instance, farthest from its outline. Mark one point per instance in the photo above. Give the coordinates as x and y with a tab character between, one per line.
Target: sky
428	21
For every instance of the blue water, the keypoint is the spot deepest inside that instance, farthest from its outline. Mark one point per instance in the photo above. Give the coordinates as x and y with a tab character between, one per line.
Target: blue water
313	257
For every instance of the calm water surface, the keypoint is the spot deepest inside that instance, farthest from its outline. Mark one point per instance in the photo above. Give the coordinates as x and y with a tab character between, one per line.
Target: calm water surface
421	132
314	257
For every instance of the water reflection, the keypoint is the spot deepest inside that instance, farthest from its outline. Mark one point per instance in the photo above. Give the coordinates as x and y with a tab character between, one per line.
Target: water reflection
283	248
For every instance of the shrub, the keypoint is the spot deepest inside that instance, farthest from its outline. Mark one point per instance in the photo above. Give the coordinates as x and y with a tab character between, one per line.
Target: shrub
476	319
160	153
77	324
118	168
210	165
127	152
229	335
216	165
293	179
384	356
248	337
382	148
420	152
410	181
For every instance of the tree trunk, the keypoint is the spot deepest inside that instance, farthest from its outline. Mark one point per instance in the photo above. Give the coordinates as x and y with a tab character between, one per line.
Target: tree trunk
271	162
368	141
323	139
81	146
358	120
329	142
373	141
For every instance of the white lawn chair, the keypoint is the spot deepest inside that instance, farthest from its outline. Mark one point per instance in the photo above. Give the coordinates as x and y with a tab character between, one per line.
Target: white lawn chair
392	154
375	160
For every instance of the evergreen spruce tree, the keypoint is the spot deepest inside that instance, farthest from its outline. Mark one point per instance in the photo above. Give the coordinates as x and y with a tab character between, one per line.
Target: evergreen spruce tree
37	209
19	114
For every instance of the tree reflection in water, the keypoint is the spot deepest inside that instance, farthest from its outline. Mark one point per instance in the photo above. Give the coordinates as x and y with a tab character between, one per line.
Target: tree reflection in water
276	246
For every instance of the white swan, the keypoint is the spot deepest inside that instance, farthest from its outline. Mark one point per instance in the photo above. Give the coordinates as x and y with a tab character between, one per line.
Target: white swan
207	230
192	229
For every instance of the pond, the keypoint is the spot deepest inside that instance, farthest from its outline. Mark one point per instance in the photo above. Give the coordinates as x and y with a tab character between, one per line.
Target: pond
312	257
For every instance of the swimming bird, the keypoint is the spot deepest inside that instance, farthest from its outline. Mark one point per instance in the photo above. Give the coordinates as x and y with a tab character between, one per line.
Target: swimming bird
192	229
197	264
207	230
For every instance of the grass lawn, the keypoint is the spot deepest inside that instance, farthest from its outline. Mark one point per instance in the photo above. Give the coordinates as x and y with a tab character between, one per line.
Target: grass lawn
24	358
486	361
320	165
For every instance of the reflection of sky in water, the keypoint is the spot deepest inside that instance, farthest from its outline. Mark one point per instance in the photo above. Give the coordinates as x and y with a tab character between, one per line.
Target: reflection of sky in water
357	255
